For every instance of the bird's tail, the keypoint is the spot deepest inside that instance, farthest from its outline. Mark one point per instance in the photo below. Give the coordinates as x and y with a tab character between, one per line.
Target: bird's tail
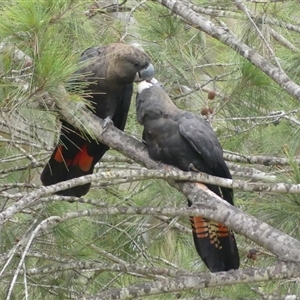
215	243
65	164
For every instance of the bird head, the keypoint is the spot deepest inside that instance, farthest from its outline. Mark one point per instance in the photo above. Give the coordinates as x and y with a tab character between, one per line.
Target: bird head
128	63
145	74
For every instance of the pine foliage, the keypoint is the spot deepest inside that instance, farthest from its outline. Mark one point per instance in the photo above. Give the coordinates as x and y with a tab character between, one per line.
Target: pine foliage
73	257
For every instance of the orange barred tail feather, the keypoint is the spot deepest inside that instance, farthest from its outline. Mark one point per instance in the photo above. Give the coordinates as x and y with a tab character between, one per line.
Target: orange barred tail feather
65	164
215	244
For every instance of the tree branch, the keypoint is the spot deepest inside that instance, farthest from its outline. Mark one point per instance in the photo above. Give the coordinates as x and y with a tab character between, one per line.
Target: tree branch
227	38
210	205
200	281
262	160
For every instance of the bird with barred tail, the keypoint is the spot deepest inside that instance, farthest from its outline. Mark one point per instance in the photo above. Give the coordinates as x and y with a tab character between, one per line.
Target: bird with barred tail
186	141
108	76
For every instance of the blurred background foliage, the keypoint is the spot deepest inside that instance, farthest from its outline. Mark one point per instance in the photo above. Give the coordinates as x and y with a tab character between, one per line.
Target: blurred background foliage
41	41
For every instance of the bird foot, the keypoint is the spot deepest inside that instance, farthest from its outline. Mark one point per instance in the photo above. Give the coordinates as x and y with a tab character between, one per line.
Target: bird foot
166	167
107	122
192	168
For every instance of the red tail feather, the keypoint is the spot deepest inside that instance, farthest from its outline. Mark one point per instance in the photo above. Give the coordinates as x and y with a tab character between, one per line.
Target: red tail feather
83	159
67	163
58	156
215	244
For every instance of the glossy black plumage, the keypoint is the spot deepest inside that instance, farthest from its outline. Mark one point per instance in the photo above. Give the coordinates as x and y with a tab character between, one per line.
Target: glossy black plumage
185	140
109	77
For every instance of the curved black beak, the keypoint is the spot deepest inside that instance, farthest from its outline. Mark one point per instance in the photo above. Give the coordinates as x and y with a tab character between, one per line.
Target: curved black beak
145	74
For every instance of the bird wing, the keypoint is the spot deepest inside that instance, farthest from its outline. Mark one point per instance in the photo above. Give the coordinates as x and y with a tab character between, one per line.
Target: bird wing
202	138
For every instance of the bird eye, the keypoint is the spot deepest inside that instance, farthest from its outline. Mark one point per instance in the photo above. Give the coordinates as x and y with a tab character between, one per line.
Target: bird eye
136	65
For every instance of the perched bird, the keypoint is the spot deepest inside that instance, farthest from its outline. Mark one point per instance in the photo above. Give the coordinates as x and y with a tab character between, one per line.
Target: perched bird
186	141
109	78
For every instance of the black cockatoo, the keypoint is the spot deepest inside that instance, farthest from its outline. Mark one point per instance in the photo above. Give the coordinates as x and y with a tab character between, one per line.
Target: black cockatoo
109	77
186	141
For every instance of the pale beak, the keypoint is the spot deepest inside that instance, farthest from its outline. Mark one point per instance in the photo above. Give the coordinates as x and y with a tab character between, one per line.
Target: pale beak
145	74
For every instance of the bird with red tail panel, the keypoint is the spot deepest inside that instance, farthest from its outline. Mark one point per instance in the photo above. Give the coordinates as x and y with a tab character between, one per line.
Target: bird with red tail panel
186	141
109	78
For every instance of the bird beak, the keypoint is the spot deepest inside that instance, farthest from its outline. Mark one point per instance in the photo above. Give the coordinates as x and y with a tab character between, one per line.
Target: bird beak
145	74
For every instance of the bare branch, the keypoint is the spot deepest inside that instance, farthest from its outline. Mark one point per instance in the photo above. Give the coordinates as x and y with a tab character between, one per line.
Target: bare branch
212	206
231	14
94	266
262	160
227	38
240	5
208	205
282	40
200	281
